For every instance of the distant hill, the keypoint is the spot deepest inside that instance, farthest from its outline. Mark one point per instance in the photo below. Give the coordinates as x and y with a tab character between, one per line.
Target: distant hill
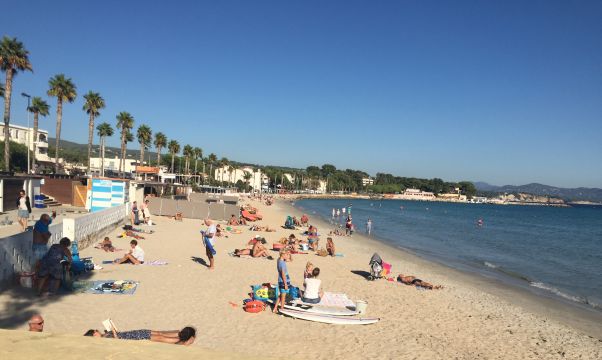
576	194
110	151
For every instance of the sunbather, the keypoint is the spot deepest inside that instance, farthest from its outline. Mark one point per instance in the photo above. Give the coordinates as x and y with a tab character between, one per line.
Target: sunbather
261	228
412	280
233	220
330	246
107	245
304	220
186	336
242	221
258	250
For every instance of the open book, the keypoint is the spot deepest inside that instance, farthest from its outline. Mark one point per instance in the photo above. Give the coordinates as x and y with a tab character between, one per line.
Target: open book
109	325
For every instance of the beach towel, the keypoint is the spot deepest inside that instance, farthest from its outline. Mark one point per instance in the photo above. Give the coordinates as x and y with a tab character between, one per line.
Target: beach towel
209	246
155	263
250	257
114	287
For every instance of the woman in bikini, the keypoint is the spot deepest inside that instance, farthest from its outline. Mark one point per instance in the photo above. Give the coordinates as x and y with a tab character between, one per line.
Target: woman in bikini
412	280
186	336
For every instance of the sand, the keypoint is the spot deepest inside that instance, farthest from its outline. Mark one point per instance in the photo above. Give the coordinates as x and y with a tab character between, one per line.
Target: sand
468	319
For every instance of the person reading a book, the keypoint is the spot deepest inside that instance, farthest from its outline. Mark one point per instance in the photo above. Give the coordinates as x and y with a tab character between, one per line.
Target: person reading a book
186	336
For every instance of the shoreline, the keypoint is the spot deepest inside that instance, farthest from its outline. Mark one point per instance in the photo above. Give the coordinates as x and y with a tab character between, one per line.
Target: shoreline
579	316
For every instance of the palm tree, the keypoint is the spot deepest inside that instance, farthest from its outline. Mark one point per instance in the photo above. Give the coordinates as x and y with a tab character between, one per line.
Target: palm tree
13	58
247	176
37	107
104	130
197	153
212	159
188	153
64	90
125	121
94	102
224	162
145	136
174	148
160	142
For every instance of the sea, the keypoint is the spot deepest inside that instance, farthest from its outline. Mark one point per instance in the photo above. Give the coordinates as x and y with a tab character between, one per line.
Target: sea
551	251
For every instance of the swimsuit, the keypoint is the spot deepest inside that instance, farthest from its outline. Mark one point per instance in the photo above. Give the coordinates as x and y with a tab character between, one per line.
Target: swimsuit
135	335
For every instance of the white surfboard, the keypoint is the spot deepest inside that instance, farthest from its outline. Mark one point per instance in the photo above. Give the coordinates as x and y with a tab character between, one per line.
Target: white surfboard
328	319
317	309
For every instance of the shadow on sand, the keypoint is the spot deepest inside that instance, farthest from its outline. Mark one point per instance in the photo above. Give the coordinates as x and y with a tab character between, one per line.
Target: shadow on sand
199	260
362	273
23	303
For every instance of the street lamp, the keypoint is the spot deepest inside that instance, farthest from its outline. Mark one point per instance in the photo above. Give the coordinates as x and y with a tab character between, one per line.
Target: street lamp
28	130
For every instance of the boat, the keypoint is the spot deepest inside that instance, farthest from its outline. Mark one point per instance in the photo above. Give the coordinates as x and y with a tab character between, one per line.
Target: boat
328	319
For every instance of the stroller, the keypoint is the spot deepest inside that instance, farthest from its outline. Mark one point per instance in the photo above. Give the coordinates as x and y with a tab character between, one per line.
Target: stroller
376	267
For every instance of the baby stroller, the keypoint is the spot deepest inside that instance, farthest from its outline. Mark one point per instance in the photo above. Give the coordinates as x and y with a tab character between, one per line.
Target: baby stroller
376	267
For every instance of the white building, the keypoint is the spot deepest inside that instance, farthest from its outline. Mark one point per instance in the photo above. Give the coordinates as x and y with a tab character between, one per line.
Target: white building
112	164
24	135
256	181
367	181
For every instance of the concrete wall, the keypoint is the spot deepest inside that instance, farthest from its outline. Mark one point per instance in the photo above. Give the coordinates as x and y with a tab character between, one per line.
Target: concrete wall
192	209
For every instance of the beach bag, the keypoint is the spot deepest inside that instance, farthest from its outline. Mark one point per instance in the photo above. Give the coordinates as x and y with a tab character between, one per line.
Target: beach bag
294	292
255	306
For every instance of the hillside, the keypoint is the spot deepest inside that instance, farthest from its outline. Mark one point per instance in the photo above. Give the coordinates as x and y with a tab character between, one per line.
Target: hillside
568	194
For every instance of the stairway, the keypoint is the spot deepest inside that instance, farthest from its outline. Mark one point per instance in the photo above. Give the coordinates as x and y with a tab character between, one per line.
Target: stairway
50	201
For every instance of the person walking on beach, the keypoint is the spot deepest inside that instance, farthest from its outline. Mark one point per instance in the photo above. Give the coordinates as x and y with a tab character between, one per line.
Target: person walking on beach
369	226
284	282
23	209
208	240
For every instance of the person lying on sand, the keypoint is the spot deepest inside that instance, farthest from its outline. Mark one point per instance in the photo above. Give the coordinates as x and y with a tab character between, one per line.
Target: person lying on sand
186	336
261	228
258	250
336	232
412	280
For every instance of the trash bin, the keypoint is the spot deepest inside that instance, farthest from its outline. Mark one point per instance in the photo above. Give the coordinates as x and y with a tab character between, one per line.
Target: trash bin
38	201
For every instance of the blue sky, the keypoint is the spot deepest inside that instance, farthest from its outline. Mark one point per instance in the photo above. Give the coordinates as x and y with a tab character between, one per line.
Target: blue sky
505	92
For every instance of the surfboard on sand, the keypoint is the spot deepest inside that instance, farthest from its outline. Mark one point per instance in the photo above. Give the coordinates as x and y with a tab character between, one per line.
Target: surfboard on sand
328	319
317	309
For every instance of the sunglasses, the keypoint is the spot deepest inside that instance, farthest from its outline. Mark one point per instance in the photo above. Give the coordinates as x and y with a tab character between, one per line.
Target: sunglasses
36	323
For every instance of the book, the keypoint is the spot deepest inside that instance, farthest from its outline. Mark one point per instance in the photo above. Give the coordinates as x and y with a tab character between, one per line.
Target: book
109	325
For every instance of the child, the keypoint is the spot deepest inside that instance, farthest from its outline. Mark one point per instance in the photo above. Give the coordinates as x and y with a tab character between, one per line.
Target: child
106	245
309	267
330	246
284	282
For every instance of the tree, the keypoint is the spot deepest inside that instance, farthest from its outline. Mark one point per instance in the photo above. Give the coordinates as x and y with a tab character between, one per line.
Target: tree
224	164
125	121
468	188
174	148
37	107
64	90
13	58
247	176
145	136
188	154
104	129
212	159
197	153
92	105
160	143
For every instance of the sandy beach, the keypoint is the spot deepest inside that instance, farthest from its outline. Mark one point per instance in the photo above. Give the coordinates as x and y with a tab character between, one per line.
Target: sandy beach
470	318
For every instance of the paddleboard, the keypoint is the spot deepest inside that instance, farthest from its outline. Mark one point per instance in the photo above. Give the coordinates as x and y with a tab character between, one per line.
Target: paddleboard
317	309
328	319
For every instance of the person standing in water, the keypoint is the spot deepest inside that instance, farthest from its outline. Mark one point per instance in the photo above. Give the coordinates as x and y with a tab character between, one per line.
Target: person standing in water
369	226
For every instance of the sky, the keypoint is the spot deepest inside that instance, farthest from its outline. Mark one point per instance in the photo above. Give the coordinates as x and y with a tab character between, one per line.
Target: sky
507	92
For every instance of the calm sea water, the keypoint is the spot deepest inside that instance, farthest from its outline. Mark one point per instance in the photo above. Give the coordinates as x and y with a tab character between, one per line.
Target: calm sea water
556	251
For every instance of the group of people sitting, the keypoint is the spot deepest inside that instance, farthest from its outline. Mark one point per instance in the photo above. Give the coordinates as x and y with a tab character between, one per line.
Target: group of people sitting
257	250
234	221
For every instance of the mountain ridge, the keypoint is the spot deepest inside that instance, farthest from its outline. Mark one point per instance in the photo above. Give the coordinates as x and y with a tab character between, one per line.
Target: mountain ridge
567	194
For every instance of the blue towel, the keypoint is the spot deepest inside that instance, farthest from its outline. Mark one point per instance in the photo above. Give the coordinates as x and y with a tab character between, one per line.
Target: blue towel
209	246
